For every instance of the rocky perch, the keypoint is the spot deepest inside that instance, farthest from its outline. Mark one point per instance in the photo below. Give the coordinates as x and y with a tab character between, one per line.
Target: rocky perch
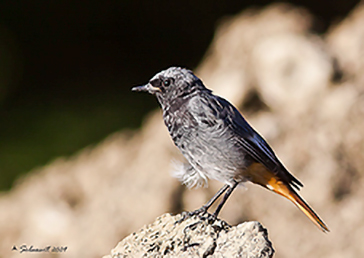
195	237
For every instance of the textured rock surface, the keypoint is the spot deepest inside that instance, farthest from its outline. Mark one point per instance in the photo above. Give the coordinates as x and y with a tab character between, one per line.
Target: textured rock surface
195	238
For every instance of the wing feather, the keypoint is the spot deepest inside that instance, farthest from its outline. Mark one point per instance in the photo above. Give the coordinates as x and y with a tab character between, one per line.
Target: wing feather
254	144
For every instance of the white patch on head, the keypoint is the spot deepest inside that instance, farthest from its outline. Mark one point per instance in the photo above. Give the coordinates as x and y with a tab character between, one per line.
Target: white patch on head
187	175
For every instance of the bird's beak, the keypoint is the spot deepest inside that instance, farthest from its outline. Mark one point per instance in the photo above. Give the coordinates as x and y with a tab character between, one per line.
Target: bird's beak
147	88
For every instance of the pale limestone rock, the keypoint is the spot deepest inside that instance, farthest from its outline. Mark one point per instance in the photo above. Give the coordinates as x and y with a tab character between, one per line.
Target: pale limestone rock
194	237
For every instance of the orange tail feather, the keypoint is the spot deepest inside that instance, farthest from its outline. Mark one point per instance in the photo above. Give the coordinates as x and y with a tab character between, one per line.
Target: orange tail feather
260	175
291	195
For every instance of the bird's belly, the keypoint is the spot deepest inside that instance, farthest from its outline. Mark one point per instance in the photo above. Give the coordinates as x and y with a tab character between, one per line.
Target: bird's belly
215	156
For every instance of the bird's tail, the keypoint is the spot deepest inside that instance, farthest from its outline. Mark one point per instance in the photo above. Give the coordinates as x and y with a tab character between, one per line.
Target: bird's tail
288	192
260	175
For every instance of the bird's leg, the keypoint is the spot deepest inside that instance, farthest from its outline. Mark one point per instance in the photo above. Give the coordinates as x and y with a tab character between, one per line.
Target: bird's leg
206	206
226	196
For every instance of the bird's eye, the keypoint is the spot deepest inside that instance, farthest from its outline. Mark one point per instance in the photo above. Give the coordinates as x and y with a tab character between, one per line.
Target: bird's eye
166	82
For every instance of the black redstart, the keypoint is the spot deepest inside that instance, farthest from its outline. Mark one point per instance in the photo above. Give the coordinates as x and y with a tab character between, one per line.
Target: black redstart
218	142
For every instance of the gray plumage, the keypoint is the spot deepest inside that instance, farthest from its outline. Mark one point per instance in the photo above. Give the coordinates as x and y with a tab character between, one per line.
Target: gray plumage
212	135
218	142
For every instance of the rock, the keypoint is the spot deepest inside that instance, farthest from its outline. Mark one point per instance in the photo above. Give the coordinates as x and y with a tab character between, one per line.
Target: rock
345	41
195	237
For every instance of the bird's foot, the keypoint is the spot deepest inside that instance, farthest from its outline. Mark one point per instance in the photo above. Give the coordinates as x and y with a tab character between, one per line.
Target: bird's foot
199	212
211	218
188	214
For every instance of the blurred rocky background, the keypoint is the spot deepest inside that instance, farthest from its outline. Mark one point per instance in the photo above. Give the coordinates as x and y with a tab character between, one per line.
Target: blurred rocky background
295	71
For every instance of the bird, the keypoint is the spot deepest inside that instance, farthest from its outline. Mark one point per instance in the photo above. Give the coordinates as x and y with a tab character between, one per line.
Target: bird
218	142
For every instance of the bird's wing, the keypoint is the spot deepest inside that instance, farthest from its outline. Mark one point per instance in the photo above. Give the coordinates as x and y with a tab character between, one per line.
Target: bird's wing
253	143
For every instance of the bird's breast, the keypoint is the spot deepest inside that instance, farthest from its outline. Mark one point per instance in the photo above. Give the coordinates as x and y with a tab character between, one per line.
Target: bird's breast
208	144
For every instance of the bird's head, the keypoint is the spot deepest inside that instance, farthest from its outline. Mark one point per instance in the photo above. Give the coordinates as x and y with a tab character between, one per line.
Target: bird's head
173	83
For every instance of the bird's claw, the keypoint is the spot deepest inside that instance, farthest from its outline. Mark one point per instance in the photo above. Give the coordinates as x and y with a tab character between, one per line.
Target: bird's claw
199	212
211	218
188	214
